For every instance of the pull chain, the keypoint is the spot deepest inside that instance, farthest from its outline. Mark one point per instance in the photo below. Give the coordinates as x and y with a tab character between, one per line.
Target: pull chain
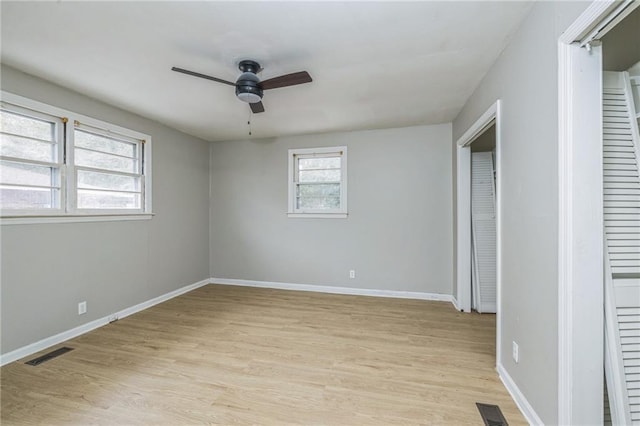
249	122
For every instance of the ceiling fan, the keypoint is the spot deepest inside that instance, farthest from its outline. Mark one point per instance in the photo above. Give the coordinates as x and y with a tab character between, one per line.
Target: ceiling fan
249	88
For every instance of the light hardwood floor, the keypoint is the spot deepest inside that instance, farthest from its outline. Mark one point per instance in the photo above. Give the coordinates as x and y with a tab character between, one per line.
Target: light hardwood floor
234	355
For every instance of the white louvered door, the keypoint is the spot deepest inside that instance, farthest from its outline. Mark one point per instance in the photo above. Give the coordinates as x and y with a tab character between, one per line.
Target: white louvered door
622	239
483	225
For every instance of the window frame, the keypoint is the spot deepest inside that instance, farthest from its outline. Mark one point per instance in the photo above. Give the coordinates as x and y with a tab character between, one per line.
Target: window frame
98	128
58	122
68	211
297	153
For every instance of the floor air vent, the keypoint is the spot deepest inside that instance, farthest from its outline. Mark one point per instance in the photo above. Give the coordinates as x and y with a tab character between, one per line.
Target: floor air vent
50	355
491	415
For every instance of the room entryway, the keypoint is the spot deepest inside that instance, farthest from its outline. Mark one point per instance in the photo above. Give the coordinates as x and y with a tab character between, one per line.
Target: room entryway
483	222
599	222
621	190
478	218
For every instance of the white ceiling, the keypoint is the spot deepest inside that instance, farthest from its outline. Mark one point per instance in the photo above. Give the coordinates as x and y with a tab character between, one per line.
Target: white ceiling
374	64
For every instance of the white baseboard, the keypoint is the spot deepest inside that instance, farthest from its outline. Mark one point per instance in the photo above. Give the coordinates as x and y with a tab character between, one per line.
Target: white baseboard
527	410
85	328
335	290
455	304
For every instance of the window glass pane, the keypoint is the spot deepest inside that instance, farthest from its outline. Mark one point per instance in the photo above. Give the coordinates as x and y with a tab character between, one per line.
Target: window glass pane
318	196
99	160
319	176
319	190
105	144
26	126
319	163
94	180
27	174
95	199
18	147
319	203
12	197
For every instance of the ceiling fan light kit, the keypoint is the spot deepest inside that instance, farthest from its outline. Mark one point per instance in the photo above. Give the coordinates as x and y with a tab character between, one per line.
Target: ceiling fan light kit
249	88
247	96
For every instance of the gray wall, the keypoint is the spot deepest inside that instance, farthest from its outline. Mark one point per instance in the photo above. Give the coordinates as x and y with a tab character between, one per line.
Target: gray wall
525	78
48	268
397	235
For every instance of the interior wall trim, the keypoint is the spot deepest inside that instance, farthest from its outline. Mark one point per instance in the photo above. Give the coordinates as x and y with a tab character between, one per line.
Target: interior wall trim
518	397
335	290
455	303
492	116
580	247
47	342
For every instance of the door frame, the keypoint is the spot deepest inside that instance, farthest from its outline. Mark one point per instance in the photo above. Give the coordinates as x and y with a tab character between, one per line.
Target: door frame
580	213
492	115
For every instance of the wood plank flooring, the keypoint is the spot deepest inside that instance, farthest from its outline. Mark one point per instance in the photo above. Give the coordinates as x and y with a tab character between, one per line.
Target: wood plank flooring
234	355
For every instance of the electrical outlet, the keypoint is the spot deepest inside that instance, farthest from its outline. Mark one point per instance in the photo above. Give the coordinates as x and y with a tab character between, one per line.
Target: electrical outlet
352	273
515	353
82	308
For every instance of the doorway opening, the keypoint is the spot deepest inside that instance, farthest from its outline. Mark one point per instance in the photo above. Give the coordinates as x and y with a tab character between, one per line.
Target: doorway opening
483	222
484	134
582	209
621	189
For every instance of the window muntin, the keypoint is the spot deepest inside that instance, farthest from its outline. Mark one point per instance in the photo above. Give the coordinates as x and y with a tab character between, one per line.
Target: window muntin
58	163
317	181
30	160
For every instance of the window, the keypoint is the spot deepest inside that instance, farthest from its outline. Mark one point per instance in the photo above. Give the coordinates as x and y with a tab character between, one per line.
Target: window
58	163
108	170
318	182
30	160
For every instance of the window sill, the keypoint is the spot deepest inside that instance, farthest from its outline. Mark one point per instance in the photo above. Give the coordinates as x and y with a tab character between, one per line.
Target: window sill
27	220
318	215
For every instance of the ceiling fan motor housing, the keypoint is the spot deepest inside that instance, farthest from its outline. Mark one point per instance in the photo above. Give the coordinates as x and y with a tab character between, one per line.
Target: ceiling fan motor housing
248	88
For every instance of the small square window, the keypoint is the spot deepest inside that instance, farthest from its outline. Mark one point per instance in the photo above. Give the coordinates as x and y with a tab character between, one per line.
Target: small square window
318	182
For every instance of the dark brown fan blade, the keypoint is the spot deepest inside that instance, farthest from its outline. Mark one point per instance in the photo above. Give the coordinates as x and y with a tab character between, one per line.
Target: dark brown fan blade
197	74
257	107
287	80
